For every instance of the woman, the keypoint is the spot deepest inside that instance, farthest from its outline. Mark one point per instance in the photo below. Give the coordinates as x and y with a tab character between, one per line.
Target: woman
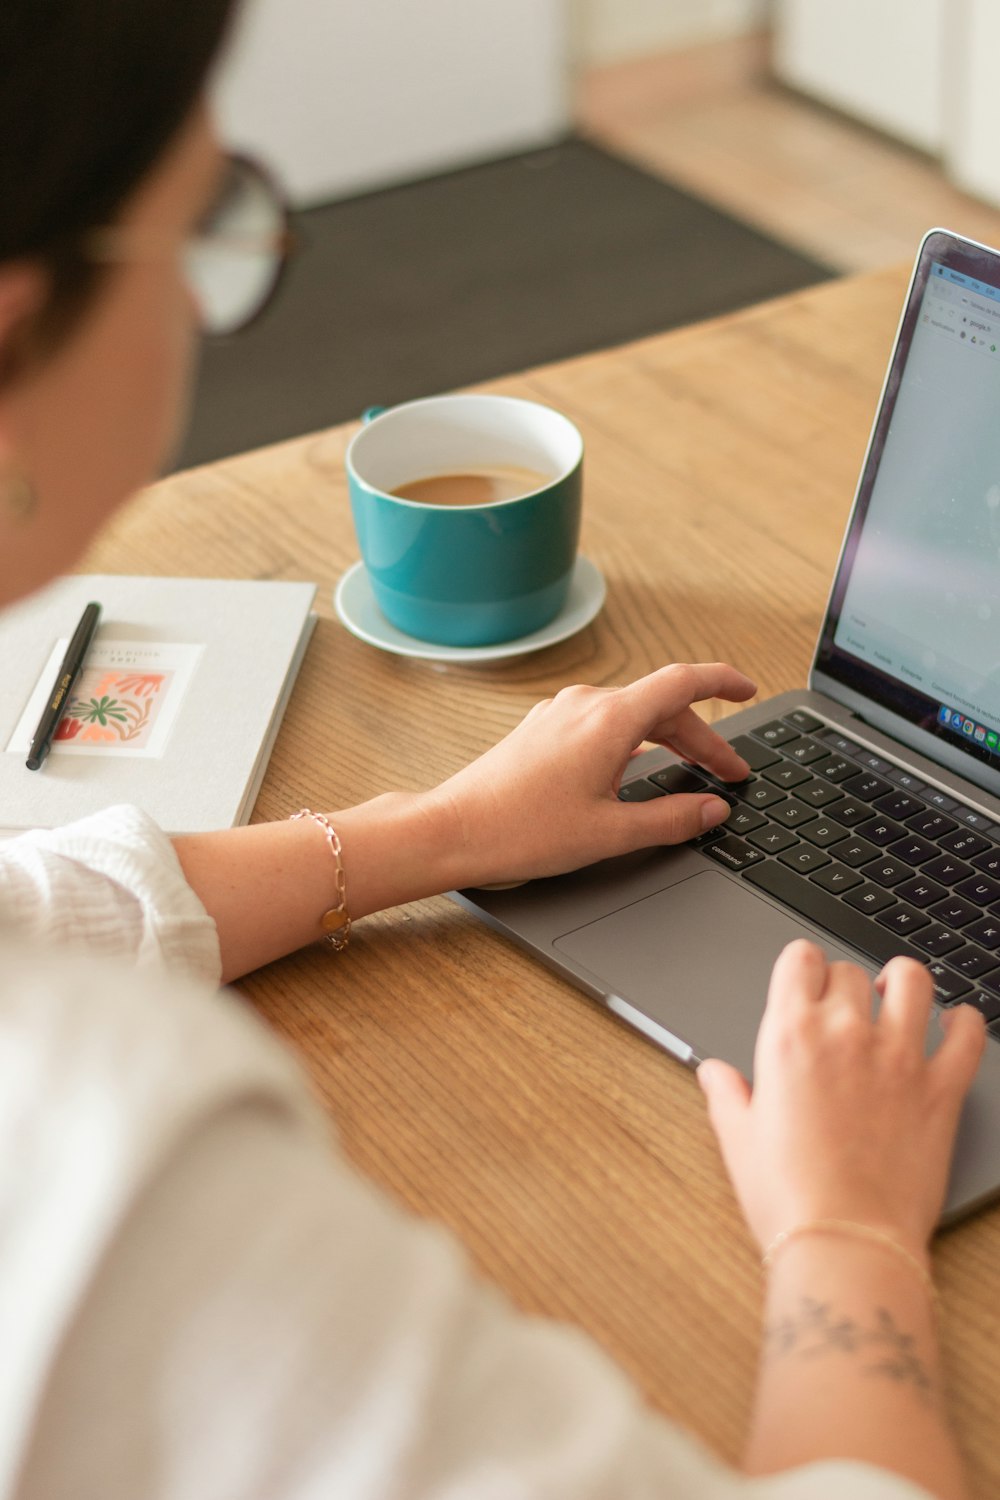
196	1298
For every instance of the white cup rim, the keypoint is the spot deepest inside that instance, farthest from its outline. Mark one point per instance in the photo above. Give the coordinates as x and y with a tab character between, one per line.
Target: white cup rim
558	418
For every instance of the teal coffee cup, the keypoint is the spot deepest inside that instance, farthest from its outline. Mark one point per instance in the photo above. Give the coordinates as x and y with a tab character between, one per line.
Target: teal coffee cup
467	512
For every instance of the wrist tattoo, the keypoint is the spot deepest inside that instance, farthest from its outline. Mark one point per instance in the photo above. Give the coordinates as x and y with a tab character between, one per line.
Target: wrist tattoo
815	1330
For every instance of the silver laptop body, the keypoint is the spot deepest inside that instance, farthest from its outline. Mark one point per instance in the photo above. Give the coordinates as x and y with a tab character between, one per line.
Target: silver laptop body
869	822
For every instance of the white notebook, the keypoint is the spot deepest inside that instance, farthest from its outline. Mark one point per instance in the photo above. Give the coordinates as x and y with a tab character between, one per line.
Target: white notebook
177	706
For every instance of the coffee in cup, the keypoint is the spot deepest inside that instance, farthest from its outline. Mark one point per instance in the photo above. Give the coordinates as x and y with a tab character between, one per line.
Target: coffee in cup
467	512
474	487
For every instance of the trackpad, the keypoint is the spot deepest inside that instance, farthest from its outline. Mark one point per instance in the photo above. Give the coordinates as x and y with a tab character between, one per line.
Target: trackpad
696	958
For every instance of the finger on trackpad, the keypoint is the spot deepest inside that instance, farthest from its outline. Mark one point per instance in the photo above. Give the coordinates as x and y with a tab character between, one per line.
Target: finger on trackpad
696	958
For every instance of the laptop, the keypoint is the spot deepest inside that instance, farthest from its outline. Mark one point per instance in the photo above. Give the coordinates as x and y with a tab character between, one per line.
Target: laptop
871	820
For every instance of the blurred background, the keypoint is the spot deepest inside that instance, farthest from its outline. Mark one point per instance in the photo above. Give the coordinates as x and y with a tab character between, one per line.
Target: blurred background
480	186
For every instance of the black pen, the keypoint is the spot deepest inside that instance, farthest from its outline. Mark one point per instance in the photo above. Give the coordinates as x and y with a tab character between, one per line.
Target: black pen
41	742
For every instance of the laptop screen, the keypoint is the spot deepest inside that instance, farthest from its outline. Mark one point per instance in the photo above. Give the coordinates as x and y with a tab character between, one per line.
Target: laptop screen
914	616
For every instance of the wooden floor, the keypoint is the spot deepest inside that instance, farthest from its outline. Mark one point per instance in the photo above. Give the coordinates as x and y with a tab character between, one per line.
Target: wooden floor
713	121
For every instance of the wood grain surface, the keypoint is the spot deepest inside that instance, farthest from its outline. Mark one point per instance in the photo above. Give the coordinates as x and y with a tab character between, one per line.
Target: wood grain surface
572	1158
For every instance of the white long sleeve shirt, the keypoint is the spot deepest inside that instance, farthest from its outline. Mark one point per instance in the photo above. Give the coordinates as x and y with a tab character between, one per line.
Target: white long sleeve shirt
198	1301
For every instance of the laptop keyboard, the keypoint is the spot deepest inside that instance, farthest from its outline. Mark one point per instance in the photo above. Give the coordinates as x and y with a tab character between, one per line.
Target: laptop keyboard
861	848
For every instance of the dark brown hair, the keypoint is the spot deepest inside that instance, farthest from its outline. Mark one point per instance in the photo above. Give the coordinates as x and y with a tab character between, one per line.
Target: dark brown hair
91	92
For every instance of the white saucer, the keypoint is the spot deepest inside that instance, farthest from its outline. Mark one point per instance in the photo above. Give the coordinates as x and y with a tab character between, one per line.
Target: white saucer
355	604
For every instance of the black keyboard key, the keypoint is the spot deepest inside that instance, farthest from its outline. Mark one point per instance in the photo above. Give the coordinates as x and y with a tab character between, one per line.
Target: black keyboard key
771	839
823	832
906	780
978	820
679	779
981	889
724	789
988	862
903	919
881	831
918	891
786	774
837	878
947	869
937	940
885	871
854	851
838	741
733	853
805	751
817	793
849	811
954	912
775	733
991	982
948	985
987	1004
803	721
899	805
758	793
867	786
870	898
829	912
640	791
755	755
873	762
932	824
964	843
986	933
972	962
708	838
792	813
835	768
804	858
914	849
744	820
940	800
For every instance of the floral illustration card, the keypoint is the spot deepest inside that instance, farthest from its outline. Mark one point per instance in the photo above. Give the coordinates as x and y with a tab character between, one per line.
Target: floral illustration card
124	703
177	706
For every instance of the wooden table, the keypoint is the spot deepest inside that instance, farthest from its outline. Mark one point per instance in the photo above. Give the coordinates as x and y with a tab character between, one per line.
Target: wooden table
572	1158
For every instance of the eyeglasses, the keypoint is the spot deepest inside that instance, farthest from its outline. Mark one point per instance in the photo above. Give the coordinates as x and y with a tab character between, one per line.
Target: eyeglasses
234	260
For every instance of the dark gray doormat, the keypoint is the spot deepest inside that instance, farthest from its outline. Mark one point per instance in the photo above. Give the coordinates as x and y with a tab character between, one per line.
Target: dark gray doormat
477	273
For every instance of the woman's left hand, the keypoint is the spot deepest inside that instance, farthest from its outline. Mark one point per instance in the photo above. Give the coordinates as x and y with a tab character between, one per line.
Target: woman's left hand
542	801
545	799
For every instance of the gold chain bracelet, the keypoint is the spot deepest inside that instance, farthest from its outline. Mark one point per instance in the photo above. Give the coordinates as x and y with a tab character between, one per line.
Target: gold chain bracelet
336	922
853	1230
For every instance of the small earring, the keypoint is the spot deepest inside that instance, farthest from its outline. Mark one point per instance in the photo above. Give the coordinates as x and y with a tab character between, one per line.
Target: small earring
19	497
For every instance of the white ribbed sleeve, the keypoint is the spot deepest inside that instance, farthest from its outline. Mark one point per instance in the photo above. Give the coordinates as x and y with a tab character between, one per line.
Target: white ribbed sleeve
111	883
199	1300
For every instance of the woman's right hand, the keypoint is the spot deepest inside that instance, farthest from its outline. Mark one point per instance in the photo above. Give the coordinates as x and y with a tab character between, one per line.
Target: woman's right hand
848	1118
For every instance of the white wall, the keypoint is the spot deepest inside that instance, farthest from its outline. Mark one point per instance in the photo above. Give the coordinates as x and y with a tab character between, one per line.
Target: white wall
923	70
357	95
612	30
882	60
973	153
